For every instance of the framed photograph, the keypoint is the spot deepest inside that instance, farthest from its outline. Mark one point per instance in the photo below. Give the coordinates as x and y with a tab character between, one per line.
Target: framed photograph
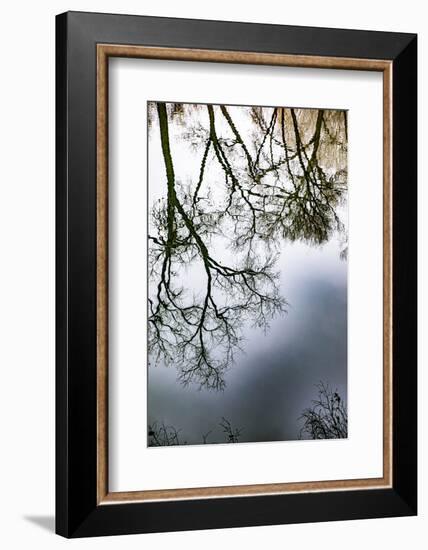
236	274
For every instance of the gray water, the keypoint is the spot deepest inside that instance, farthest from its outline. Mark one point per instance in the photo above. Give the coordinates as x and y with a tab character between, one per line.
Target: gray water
274	378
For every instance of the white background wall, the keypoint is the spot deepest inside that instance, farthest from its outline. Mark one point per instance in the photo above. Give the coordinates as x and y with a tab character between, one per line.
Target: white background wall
27	89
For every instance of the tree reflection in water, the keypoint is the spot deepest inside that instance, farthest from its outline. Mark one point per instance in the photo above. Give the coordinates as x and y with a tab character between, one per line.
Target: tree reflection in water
285	180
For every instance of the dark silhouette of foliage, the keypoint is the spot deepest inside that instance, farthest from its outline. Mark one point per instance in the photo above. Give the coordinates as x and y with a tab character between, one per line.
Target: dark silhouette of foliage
161	435
275	186
327	418
232	434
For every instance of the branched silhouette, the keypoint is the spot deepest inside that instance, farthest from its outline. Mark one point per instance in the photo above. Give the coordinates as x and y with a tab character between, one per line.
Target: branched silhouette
305	176
232	434
286	184
327	418
161	435
201	333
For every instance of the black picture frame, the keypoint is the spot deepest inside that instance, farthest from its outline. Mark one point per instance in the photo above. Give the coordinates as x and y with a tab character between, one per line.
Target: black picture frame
77	511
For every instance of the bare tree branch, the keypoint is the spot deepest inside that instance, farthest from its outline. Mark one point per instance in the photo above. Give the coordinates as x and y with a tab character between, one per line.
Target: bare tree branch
327	418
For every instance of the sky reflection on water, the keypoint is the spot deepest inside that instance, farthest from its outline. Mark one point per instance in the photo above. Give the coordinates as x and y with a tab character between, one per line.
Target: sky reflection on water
274	379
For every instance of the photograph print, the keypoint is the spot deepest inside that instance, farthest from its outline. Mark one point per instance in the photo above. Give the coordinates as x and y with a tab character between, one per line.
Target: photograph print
247	274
